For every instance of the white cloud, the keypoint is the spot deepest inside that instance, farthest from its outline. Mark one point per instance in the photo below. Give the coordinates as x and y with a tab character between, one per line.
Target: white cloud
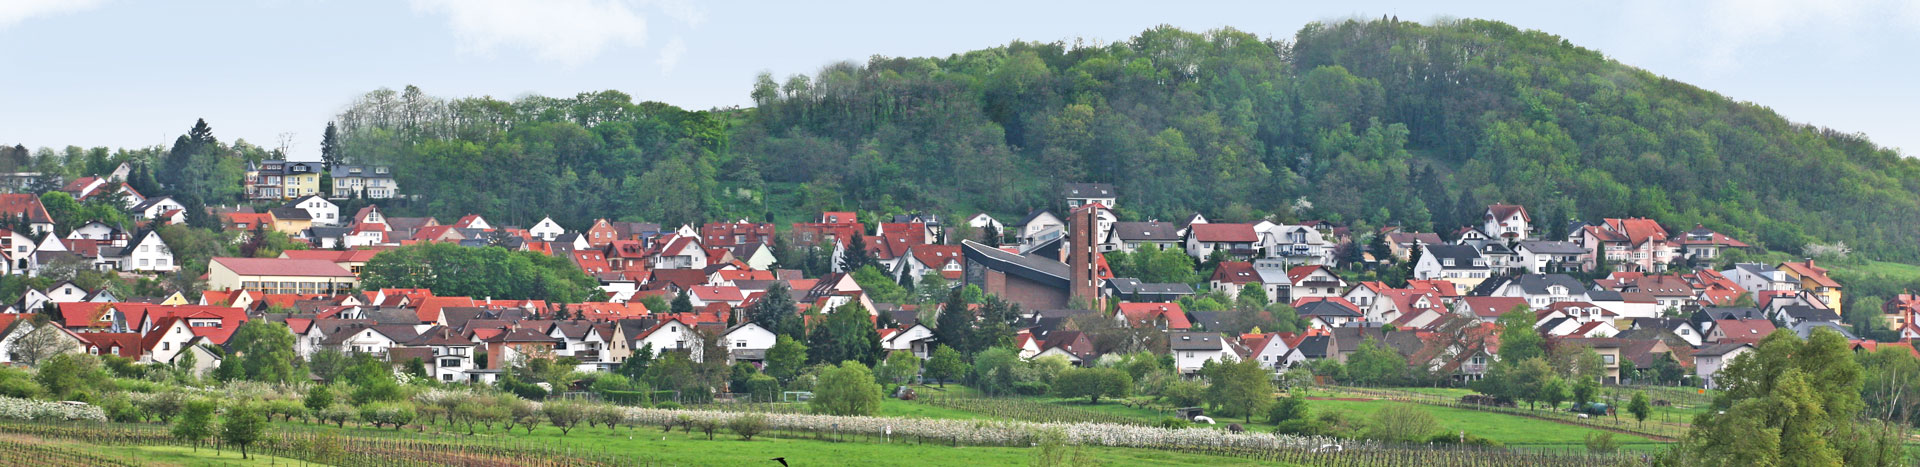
1734	26
670	55
682	11
566	31
16	11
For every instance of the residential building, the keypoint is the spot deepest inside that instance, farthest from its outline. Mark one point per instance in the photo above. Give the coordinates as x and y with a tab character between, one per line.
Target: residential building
282	179
364	181
279	276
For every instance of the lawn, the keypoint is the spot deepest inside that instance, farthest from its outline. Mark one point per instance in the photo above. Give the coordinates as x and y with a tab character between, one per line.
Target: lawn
1508	429
648	445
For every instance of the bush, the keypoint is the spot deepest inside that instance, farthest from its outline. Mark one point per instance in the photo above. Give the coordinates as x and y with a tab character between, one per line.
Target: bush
1402	423
1287	408
15	382
337	414
668	405
1600	442
1302	427
763	388
1469	440
847	389
1031	388
1183	393
1173	423
1093	383
397	414
748	425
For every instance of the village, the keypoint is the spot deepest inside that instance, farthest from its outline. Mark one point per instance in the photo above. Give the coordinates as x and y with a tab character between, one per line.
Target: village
1661	303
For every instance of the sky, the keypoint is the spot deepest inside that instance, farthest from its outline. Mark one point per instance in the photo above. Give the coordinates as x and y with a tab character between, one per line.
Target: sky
128	73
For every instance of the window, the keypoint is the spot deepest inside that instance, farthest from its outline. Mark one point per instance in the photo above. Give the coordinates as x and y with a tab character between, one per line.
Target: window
1607	358
449	362
166	346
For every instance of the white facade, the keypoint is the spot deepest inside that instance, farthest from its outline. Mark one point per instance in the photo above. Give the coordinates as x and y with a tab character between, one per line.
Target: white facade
749	337
546	230
322	211
149	255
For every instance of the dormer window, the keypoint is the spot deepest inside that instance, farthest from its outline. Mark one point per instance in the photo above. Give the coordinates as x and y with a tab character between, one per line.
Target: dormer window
1446	262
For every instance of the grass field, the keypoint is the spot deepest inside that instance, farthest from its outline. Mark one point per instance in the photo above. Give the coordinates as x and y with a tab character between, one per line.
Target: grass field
49	452
1507	429
649	445
1511	430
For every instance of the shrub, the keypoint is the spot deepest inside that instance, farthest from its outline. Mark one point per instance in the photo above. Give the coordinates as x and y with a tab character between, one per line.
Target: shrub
1183	393
1600	442
397	414
1092	383
337	414
1173	423
1466	440
1031	388
748	425
1287	408
708	426
846	389
1401	423
564	415
668	405
763	388
15	382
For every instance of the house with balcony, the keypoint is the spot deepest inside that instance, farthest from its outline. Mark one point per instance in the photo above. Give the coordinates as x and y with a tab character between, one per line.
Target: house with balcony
364	181
282	180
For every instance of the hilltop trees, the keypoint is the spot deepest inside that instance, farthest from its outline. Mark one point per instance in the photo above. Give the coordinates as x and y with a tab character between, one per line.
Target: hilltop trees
453	270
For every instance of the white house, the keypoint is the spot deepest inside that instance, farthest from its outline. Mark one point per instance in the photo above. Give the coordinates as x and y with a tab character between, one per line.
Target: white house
1191	350
1758	278
1459	264
1541	290
322	212
1271	351
1506	222
94	230
161	208
1541	256
1296	244
748	341
1034	229
670	335
917	339
1708	361
546	230
145	253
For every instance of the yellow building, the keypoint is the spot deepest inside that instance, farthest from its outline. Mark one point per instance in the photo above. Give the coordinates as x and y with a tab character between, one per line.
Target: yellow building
1814	280
279	179
279	276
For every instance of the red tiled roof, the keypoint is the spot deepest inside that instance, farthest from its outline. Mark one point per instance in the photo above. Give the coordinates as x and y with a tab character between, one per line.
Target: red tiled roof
1743	330
27	204
1492	307
1234	233
84	314
1144	314
1637	230
283	267
104	343
337	256
1809	272
1235	272
429	309
709	292
1502	211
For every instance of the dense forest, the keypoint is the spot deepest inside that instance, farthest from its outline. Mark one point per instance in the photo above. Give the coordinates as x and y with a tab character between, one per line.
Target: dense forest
1368	123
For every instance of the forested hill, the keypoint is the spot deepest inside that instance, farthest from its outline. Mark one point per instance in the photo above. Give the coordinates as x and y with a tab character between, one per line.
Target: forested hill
1365	122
